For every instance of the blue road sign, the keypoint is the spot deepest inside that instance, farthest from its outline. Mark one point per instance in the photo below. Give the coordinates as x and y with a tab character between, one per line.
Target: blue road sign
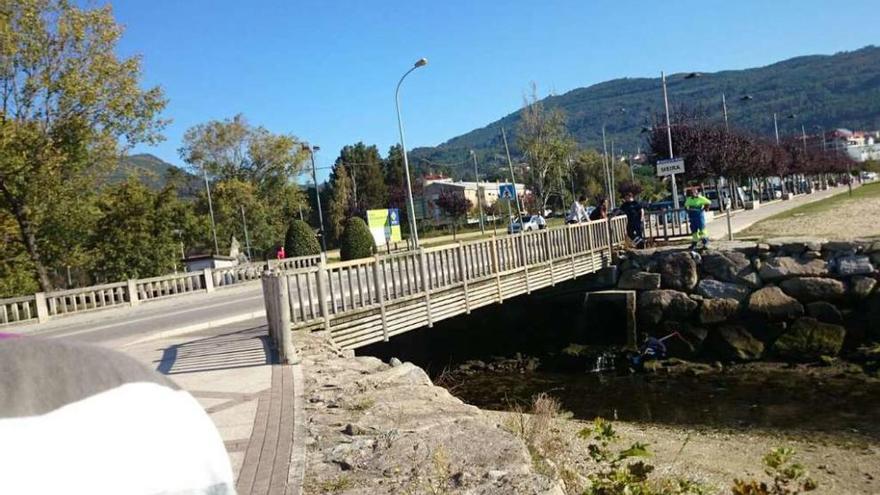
507	191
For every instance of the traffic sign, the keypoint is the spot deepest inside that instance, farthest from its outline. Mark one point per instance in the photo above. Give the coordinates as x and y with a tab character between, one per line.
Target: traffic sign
507	191
670	167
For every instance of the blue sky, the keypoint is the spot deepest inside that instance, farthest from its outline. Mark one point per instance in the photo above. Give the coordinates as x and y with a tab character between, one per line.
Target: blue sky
325	71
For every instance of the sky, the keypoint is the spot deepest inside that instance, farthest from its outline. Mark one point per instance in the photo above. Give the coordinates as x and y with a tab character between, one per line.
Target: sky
325	70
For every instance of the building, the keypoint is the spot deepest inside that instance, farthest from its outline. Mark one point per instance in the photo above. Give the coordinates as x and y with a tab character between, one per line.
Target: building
859	145
200	262
490	192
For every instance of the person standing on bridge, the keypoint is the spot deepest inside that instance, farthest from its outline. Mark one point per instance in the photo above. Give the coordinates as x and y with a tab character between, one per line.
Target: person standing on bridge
696	206
578	212
635	216
600	212
280	254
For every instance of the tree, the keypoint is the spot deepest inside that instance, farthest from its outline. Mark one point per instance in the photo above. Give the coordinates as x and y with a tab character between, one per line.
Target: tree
300	240
546	145
341	203
364	166
455	206
70	106
135	236
356	240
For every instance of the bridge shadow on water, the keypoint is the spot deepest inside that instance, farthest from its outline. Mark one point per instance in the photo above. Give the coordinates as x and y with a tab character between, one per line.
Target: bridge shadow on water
240	349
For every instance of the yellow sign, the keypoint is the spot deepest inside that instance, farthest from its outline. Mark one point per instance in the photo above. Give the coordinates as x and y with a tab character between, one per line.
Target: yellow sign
384	225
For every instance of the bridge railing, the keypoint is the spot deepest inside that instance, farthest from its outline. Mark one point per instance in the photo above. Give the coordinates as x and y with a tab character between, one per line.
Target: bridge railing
666	224
327	291
46	305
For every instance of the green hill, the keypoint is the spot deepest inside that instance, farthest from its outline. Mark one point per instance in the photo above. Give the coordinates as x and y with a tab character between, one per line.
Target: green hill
841	90
154	172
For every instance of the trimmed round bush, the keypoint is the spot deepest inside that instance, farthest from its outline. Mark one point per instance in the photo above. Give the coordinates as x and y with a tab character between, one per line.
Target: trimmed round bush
356	240
300	240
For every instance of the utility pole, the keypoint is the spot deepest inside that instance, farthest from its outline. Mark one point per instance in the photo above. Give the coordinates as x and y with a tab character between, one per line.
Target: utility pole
605	164
717	189
611	164
675	203
312	150
479	192
354	185
211	210
512	176
247	239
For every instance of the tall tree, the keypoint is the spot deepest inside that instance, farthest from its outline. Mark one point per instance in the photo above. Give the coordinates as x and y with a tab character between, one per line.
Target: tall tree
546	145
341	202
70	106
364	166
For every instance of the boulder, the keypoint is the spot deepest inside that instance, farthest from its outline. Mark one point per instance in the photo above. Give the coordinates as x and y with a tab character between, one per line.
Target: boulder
678	271
809	339
731	266
783	267
825	312
796	245
875	258
808	289
861	287
772	303
853	265
841	248
713	289
718	310
734	343
656	305
637	280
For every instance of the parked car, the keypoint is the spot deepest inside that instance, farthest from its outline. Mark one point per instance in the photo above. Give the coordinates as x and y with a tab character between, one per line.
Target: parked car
534	222
869	176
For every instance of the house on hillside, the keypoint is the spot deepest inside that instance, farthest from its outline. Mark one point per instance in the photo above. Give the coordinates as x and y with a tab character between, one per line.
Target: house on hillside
859	145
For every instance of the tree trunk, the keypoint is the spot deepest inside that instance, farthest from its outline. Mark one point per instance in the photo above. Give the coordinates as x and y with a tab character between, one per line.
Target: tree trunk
29	239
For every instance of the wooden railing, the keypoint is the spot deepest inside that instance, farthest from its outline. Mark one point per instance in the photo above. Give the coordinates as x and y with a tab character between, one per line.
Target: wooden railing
665	225
43	306
367	300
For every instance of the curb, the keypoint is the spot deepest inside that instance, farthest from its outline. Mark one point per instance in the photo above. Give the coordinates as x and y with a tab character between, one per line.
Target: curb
174	332
296	474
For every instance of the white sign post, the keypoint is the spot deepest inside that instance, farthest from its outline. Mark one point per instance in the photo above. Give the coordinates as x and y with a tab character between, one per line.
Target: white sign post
671	167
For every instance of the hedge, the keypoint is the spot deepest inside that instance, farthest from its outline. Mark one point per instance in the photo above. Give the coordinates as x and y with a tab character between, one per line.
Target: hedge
356	240
300	240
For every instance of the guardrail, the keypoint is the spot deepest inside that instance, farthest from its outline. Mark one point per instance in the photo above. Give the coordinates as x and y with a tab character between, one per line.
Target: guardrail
44	306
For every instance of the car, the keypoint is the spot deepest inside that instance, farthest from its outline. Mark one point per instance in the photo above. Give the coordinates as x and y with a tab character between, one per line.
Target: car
869	176
532	223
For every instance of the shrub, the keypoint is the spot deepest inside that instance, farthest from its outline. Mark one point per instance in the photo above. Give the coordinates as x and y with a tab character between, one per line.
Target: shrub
300	240
356	240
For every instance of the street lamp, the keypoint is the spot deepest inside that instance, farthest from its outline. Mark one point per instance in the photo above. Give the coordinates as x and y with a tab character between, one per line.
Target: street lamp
692	75
312	150
413	228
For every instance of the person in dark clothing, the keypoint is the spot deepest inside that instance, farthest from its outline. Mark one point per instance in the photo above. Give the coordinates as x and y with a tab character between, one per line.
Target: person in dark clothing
635	215
600	212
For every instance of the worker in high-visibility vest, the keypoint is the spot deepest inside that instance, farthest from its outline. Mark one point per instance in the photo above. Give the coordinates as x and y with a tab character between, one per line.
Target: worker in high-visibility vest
696	206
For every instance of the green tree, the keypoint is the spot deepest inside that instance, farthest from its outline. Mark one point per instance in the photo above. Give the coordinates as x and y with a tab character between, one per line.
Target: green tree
70	106
300	240
364	166
455	206
546	145
341	204
356	241
135	236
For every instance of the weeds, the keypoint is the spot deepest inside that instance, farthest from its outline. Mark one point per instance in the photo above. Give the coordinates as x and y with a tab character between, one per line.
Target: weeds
789	477
360	404
335	485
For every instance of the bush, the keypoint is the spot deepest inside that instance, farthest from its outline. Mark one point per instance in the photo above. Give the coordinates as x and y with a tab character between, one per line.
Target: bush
356	240
300	240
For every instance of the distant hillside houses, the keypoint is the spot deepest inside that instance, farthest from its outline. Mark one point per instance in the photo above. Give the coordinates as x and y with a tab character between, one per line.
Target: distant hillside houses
860	145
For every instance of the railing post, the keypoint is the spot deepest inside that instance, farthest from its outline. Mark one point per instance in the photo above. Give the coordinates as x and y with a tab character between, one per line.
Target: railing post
42	308
275	294
322	292
426	286
208	276
523	255
549	254
380	296
133	299
496	265
610	241
568	231
464	277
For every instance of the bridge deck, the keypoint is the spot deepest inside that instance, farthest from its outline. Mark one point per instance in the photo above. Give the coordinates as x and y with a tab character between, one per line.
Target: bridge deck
369	300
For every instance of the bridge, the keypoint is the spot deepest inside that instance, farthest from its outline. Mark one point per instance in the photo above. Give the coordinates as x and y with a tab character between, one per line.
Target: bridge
363	301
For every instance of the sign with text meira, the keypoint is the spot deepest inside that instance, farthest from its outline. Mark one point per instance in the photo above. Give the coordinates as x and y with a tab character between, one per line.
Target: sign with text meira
384	225
670	167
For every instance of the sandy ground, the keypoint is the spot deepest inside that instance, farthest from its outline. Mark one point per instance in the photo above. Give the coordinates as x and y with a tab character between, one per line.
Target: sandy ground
858	218
841	465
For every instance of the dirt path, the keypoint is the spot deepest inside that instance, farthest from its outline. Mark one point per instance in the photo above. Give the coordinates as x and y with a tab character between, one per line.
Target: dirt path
849	219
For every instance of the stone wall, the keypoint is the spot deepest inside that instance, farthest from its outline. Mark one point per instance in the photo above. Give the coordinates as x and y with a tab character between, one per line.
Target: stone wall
795	299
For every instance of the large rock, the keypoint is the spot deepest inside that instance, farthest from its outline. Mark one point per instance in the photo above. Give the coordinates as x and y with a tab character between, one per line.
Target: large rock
824	312
718	310
861	287
841	248
656	305
713	289
734	343
808	289
783	267
853	265
796	245
637	280
810	339
678	271
731	266
772	303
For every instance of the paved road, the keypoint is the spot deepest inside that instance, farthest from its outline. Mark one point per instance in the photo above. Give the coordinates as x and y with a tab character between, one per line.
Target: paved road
745	219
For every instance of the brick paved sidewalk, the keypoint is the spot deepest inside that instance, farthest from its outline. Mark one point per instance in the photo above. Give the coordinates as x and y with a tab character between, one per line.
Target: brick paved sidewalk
230	371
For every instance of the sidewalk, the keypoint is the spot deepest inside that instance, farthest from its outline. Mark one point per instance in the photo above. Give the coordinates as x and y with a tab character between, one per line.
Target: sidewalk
251	400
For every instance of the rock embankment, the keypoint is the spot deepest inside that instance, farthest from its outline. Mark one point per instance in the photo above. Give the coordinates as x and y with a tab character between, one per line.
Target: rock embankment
791	298
377	428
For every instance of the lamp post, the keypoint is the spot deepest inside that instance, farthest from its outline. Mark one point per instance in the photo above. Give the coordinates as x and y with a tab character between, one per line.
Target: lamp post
312	150
211	210
675	203
413	228
479	193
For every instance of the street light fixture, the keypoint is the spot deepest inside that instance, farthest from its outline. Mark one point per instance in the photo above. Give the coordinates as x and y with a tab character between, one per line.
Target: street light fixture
312	150
413	228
